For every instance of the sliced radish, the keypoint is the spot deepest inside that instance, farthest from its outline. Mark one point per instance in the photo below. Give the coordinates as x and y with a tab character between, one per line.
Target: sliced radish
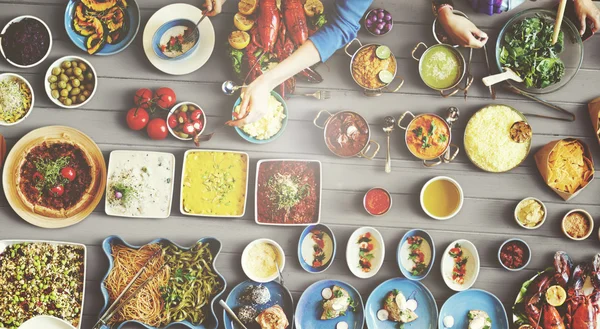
338	306
341	325
326	293
411	304
382	315
401	301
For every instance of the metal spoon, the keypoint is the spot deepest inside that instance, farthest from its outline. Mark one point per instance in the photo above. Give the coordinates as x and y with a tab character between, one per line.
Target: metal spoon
229	87
388	127
279	272
231	313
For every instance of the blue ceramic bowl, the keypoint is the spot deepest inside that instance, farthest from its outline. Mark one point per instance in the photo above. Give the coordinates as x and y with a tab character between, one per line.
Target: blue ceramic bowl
181	22
274	137
132	19
426	307
307	267
309	310
407	274
280	295
528	255
459	305
211	321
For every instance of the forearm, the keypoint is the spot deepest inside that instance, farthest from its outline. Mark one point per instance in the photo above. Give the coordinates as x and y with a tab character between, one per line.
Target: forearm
305	56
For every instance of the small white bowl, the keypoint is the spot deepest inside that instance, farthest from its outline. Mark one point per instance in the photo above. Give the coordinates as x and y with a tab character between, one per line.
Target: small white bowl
58	62
589	217
173	111
352	252
16	20
460	191
9	75
46	322
245	256
527	249
473	265
540	223
365	201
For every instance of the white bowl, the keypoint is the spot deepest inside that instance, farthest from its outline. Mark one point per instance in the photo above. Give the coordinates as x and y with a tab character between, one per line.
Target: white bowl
473	265
175	108
589	217
460	191
58	62
46	322
352	250
8	75
543	218
245	256
18	19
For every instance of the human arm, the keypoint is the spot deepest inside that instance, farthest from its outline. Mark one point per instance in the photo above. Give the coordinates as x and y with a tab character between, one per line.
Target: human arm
461	30
213	7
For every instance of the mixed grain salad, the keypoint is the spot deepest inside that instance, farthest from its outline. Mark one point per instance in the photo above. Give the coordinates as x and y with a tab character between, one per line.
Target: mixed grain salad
15	99
41	279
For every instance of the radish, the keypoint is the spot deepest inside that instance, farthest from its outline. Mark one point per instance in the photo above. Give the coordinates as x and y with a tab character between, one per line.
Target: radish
411	304
342	325
382	315
327	293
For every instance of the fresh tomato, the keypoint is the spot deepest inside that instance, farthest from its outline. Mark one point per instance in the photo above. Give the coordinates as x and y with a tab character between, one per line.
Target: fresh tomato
197	125
57	190
165	97
37	176
188	128
196	115
172	121
143	98
68	173
137	118
157	129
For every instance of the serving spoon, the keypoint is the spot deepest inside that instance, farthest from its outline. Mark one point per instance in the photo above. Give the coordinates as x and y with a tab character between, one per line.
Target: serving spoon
231	313
388	127
229	87
508	74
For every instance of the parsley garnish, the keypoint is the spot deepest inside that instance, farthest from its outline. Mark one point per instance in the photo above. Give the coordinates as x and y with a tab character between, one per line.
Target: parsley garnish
50	170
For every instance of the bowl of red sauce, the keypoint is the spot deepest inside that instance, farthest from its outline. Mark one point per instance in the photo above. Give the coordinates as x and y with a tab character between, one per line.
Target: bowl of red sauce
377	201
514	254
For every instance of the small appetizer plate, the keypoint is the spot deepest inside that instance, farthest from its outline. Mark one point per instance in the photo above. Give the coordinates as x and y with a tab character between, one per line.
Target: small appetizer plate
426	308
246	259
460	251
427	251
526	254
309	308
46	322
170	29
316	236
369	241
459	305
279	295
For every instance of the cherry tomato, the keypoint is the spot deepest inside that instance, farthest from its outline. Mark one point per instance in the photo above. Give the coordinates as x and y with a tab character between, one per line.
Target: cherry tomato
137	118
172	121
157	129
57	190
68	173
198	125
143	98
196	115
37	176
188	128
165	97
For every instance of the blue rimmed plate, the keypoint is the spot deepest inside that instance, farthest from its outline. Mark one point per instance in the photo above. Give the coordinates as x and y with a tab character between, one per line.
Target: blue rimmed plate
403	251
306	247
280	295
308	310
132	20
274	137
214	246
459	305
426	311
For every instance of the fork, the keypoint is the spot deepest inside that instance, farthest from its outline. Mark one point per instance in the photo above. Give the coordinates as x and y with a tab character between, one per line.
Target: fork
320	94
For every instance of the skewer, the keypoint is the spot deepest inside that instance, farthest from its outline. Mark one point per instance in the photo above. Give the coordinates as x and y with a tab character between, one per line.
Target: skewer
559	18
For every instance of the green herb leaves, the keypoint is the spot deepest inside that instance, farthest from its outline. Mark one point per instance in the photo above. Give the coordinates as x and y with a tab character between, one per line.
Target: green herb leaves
50	170
287	191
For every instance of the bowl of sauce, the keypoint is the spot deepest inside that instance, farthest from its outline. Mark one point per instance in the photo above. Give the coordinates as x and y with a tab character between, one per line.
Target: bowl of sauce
514	254
260	259
441	67
377	201
441	198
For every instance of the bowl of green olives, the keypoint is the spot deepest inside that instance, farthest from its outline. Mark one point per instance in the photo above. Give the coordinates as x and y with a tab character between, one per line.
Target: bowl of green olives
71	82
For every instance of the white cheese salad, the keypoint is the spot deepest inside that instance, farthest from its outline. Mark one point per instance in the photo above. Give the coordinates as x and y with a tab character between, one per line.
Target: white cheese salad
270	124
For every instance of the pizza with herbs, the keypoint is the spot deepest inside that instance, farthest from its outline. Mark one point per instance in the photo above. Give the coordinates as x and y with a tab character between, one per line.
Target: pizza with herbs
56	179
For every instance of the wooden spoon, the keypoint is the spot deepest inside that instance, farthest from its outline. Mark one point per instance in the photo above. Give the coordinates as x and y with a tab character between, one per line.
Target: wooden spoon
497	78
559	18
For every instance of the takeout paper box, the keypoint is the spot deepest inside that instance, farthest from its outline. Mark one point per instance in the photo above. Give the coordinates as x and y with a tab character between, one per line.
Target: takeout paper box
541	160
594	109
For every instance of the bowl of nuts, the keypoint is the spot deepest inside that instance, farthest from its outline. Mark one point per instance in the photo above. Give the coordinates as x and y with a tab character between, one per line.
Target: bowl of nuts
71	82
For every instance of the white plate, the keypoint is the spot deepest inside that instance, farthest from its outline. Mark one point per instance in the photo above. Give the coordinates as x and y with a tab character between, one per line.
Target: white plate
195	60
46	322
352	251
118	157
447	263
6	243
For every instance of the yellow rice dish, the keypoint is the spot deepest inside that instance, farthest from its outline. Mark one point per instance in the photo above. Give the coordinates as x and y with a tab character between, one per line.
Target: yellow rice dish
214	184
487	139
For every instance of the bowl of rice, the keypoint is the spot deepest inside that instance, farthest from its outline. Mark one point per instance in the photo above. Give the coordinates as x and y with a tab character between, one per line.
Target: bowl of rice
16	99
497	138
270	126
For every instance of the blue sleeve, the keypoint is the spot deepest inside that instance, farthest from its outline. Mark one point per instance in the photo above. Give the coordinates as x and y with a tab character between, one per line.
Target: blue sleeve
342	27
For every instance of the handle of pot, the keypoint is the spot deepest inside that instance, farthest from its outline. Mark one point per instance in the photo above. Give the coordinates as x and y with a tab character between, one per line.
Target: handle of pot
402	118
415	50
372	93
364	152
399	86
349	44
449	155
318	116
451	93
439	161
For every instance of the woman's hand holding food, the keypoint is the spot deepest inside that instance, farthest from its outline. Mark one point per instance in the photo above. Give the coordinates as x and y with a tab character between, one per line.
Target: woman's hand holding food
213	7
255	101
587	11
461	30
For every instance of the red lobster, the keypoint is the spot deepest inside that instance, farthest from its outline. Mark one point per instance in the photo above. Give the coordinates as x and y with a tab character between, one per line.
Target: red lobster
583	311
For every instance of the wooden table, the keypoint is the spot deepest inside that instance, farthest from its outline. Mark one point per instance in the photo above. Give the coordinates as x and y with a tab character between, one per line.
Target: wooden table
486	218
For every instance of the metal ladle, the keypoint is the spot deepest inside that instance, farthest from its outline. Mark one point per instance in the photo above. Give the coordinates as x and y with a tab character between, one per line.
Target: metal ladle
388	127
229	87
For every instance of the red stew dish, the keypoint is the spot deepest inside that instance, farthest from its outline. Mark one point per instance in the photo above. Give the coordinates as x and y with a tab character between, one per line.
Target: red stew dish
288	192
346	134
377	201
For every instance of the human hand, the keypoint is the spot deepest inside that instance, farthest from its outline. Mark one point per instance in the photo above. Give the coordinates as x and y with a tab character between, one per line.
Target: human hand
213	7
461	30
255	103
586	10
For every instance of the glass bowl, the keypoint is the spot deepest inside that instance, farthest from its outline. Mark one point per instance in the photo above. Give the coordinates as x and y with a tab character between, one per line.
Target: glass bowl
572	55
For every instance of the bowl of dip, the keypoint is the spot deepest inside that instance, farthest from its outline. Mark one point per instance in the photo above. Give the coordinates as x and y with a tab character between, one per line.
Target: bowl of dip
530	213
377	201
169	41
441	67
577	224
260	259
514	254
316	248
416	254
441	198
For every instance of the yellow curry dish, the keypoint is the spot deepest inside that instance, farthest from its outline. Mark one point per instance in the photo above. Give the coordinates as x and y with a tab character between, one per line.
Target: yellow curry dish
427	136
367	68
214	183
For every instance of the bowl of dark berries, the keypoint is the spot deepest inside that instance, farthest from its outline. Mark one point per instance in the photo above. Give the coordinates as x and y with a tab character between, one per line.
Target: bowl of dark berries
514	254
26	41
378	21
186	120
